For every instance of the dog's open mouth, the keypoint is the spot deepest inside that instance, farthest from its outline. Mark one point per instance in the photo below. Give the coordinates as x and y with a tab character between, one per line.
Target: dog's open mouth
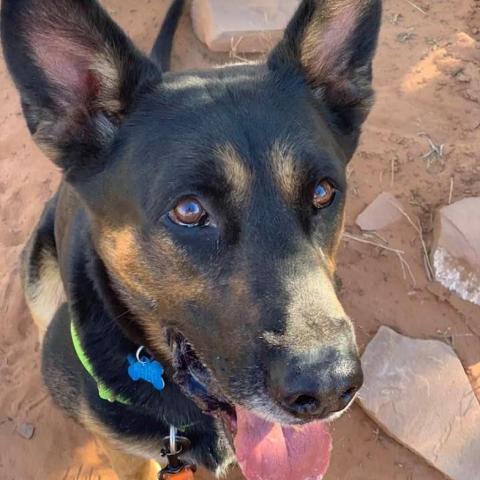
265	450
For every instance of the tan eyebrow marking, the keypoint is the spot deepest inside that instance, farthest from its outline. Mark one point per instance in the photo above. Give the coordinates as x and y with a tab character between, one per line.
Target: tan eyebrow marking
284	170
237	174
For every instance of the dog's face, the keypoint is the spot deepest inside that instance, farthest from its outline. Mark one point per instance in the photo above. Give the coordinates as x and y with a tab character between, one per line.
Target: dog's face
216	198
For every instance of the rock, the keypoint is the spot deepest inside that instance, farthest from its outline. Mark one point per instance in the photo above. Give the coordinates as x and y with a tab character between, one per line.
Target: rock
26	430
456	248
381	213
417	390
246	27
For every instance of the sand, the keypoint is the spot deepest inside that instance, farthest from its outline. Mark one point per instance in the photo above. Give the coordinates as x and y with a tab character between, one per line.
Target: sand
428	83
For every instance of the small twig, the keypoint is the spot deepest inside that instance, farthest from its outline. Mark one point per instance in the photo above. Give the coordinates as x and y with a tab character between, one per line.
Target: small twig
399	253
404	37
376	434
419	230
436	151
392	170
450	195
427	266
417	7
449	337
233	50
376	234
404	271
348	236
395	18
406	266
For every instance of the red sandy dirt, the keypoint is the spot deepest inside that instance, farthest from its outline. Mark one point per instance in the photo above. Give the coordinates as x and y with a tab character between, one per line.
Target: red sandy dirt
428	81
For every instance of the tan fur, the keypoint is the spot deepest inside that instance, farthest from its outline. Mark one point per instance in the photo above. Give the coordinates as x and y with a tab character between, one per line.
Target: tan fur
284	171
42	138
304	338
45	295
131	459
108	98
129	467
120	251
329	28
153	290
236	172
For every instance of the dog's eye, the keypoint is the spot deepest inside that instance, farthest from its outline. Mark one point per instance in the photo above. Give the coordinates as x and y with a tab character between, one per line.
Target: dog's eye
323	194
189	212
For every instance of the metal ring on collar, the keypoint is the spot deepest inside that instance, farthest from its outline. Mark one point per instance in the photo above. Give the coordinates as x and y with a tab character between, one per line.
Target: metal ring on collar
173	440
139	358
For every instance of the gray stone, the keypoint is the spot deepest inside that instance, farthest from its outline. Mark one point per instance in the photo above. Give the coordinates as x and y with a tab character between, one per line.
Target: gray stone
246	26
26	430
417	390
456	248
381	213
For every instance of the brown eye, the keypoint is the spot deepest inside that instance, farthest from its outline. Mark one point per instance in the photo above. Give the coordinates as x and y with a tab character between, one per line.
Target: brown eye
189	213
323	194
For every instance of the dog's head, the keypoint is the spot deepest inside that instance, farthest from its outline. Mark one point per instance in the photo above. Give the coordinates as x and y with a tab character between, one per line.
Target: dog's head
216	198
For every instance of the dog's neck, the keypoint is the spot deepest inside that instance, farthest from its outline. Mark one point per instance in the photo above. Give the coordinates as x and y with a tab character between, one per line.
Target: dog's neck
108	338
108	345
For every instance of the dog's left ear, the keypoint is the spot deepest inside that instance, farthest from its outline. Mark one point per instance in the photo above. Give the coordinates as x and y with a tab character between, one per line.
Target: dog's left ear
332	43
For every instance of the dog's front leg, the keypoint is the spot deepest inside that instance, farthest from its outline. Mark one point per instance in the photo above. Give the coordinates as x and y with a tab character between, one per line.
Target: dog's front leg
128	466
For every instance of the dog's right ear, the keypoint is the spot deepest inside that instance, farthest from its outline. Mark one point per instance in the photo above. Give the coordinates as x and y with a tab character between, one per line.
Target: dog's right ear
77	73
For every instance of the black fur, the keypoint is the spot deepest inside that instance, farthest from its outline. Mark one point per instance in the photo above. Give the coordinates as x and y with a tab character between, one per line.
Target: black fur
151	413
253	291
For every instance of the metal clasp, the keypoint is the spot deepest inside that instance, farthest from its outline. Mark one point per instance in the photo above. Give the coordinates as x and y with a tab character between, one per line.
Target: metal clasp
176	469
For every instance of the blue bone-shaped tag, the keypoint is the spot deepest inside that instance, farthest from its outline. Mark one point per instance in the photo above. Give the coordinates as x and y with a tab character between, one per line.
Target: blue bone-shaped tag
148	370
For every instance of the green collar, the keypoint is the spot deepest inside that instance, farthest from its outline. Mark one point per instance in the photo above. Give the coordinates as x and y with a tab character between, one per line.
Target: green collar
104	392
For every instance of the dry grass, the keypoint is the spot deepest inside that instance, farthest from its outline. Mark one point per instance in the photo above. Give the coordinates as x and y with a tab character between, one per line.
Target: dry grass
450	194
436	152
449	337
418	228
234	55
414	5
392	171
406	269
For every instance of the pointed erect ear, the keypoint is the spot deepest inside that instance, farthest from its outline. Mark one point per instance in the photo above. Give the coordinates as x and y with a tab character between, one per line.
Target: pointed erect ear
332	42
77	73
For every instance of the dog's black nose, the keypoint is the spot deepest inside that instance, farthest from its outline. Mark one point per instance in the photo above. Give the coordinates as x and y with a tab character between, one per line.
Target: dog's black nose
314	388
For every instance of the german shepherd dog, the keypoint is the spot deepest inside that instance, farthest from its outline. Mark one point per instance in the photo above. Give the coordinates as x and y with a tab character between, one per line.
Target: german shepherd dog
198	217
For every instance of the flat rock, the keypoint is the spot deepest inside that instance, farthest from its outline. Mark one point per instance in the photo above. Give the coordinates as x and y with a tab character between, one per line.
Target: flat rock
245	27
456	248
381	213
417	390
26	430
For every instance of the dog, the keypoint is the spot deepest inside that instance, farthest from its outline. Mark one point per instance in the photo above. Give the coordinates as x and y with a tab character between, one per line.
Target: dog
195	229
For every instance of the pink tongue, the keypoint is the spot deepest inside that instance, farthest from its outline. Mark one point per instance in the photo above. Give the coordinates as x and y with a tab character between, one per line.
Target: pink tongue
270	451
